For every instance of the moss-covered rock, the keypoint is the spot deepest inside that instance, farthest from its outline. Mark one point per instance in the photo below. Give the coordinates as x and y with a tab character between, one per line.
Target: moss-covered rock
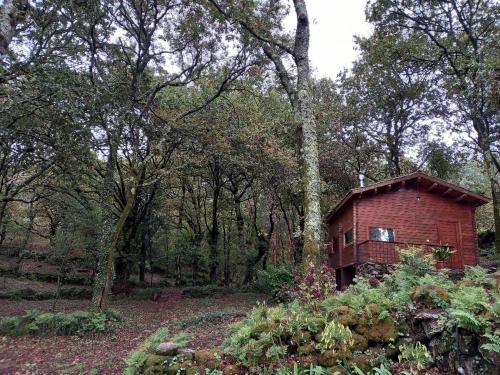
154	360
377	330
153	370
429	295
362	361
331	358
373	328
209	358
175	369
344	315
360	342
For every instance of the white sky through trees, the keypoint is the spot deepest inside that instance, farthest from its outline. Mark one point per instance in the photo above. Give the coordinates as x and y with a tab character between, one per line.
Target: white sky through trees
334	23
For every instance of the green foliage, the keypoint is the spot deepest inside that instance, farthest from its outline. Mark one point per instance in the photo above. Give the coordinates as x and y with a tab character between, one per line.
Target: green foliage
136	358
468	308
300	369
30	294
494	344
416	354
442	252
74	323
381	370
359	295
335	337
478	276
209	317
273	280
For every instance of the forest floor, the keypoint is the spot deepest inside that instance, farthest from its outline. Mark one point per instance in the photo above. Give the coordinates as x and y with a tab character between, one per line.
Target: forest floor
104	354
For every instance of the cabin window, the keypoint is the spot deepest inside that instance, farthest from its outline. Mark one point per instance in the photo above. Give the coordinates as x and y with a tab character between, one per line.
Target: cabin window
348	237
381	234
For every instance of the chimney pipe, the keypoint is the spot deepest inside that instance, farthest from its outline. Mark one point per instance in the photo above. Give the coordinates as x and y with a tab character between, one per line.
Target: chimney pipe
361	180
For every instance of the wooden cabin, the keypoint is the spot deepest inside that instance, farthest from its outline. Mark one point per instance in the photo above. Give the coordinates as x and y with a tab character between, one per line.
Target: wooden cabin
371	222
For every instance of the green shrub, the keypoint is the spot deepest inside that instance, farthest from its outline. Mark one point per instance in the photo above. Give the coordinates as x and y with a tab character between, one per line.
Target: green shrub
273	280
46	323
209	317
469	306
136	358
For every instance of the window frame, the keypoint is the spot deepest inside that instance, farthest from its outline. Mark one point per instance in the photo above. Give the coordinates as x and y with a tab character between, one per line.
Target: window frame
380	227
352	237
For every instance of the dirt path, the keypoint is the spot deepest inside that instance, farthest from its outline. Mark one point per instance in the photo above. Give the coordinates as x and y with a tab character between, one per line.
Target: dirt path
104	354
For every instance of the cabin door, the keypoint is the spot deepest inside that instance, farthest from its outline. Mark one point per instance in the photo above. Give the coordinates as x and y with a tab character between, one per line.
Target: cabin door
449	234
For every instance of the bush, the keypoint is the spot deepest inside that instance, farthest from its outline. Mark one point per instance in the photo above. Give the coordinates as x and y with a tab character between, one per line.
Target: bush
273	280
315	284
209	317
46	323
32	295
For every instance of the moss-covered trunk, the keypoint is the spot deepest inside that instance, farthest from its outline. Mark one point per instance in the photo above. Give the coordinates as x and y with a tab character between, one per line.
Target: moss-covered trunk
309	149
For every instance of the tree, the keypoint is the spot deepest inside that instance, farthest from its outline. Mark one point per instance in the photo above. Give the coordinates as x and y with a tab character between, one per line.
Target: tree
391	95
463	38
261	22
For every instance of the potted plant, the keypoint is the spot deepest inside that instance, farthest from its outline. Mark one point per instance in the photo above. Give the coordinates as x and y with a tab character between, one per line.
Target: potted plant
442	253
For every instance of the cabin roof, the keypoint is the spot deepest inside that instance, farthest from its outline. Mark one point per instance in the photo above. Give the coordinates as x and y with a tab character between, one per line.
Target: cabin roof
432	184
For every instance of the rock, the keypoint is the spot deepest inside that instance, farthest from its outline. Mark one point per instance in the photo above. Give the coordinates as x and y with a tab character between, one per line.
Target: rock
360	342
344	315
442	344
428	314
153	370
429	295
167	348
154	360
431	328
174	369
331	358
363	362
186	353
379	331
209	358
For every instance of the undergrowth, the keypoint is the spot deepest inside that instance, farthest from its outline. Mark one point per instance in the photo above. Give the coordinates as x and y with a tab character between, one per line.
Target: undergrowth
47	323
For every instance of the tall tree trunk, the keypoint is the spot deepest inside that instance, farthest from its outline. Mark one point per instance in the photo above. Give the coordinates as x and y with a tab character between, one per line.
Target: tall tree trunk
493	176
27	236
7	25
213	239
310	172
3	224
103	296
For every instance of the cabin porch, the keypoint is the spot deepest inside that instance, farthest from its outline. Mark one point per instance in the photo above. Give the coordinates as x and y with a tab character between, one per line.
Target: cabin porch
381	252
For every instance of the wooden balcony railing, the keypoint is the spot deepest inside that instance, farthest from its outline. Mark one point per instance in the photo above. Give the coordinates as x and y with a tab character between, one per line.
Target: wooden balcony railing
380	252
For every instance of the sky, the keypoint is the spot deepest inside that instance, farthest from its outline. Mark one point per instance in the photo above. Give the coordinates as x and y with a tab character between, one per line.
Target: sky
333	26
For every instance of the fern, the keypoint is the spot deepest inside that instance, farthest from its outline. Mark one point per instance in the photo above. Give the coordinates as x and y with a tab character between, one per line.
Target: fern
494	344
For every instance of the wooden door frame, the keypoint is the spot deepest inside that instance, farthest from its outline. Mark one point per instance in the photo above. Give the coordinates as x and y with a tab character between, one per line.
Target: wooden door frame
458	233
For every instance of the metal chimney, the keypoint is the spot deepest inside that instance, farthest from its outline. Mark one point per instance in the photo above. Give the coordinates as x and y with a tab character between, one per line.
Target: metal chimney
361	180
